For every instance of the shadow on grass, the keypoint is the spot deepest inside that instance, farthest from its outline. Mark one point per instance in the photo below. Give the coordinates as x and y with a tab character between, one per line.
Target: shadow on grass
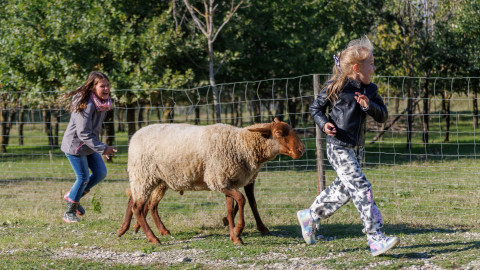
434	249
342	231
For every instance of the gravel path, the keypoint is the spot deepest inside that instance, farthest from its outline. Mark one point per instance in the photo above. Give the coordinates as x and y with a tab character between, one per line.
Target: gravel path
192	256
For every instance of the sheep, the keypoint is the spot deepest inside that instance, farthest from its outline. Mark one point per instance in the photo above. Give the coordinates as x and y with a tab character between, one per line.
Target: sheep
217	157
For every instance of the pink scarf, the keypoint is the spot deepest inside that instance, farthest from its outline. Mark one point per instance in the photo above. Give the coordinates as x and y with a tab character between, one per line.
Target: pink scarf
101	105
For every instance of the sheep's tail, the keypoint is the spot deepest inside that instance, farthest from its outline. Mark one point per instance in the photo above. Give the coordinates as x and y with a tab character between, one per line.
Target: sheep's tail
128	192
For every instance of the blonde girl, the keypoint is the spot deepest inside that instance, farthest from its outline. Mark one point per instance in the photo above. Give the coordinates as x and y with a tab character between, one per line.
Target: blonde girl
348	96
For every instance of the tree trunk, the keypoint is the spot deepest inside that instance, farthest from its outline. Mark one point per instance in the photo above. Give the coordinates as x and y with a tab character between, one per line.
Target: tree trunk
47	120
216	98
410	114
197	115
446	113
140	123
159	115
131	120
292	111
225	112
269	111
257	114
169	113
475	108
232	109
20	125
57	127
121	122
147	113
397	104
6	118
425	114
239	112
408	53
280	112
109	130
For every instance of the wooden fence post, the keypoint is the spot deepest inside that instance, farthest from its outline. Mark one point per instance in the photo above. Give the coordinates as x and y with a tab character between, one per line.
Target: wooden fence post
319	141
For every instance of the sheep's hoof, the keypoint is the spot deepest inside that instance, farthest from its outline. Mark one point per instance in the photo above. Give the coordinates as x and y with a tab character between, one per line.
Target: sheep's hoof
121	231
154	240
225	221
264	231
238	242
166	232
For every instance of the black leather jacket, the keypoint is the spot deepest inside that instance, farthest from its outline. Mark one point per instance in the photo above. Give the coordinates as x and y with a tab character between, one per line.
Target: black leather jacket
347	115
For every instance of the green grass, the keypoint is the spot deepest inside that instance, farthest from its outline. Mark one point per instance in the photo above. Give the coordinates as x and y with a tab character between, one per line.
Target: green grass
431	229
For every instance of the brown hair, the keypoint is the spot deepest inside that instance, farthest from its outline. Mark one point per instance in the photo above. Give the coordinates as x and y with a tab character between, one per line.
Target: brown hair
78	99
356	52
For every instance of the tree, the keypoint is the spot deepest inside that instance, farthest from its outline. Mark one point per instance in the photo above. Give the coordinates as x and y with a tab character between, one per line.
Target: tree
207	27
409	33
289	38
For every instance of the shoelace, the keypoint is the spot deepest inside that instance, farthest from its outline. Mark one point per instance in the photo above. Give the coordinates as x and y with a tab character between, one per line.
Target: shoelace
379	237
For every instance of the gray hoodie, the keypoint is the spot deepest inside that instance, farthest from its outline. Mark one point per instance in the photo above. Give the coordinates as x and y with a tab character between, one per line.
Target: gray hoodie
82	135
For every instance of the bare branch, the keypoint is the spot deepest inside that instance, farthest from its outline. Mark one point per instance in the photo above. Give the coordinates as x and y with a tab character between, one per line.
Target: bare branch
198	11
199	23
232	12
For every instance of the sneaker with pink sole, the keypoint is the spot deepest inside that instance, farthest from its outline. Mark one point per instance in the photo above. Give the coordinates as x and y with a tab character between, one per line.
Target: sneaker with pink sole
80	209
380	243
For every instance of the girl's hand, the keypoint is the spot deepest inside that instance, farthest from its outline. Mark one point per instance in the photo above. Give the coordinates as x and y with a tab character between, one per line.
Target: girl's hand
362	100
109	151
329	129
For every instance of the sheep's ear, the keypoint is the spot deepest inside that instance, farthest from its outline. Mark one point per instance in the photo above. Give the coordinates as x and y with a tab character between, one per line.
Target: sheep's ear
266	132
276	120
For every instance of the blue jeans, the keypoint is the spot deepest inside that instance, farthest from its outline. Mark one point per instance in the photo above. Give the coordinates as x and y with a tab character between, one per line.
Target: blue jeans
84	181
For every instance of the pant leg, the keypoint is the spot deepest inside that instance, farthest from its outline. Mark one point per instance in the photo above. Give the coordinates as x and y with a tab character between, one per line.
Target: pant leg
329	200
98	168
377	215
80	167
347	163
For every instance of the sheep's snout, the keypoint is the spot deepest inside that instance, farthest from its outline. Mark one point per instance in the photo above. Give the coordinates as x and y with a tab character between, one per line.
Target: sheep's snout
298	152
295	150
301	151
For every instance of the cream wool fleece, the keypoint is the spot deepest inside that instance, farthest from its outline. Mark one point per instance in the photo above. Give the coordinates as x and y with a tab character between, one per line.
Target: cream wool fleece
187	157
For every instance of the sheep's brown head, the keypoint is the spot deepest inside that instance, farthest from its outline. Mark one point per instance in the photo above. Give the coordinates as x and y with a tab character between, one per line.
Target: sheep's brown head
281	132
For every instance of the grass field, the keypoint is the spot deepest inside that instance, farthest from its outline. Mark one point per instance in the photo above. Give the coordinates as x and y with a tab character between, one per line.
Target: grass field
429	197
437	225
33	235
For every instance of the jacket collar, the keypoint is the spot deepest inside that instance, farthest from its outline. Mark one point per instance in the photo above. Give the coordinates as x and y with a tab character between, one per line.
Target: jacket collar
354	83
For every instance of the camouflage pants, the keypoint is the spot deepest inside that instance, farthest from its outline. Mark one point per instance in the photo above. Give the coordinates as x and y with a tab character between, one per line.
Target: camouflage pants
350	183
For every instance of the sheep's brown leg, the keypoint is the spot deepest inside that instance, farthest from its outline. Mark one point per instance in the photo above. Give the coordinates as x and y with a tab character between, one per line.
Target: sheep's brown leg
128	218
153	206
230	219
253	205
237	230
235	210
156	218
137	227
138	211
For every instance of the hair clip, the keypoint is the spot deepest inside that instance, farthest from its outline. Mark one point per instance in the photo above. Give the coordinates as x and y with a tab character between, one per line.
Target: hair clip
337	62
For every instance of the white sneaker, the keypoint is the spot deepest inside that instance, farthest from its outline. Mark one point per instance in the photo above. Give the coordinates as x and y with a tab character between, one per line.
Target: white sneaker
306	223
380	243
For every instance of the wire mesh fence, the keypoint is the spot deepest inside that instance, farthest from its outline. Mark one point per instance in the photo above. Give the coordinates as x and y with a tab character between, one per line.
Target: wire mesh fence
422	163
